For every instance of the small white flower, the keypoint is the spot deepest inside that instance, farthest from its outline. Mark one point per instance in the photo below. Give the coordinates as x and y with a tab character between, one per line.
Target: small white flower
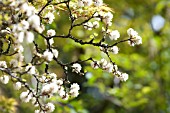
114	35
132	32
114	49
25	24
138	40
48	55
61	92
59	82
74	90
88	26
31	69
109	67
31	11
37	111
107	18
95	64
135	39
96	24
17	85
51	32
29	37
3	64
74	93
34	21
53	75
50	107
24	7
75	86
123	76
98	3
19	48
83	3
4	79
49	89
87	2
20	57
76	67
21	37
80	3
51	41
50	17
55	53
103	63
25	96
14	63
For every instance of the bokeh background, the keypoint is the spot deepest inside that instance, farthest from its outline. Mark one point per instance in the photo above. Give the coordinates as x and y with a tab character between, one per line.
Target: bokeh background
148	88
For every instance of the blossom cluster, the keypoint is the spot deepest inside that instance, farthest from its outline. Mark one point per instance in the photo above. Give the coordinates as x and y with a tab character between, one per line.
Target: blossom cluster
27	23
109	67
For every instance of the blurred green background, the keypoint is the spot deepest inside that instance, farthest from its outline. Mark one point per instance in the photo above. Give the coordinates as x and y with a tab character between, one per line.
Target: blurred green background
148	88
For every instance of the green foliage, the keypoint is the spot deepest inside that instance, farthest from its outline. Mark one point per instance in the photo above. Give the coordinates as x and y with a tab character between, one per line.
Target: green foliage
147	89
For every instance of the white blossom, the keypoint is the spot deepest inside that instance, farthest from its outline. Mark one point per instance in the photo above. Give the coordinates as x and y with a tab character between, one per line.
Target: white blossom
88	25
24	7
74	90
107	18
37	111
4	79
59	82
21	37
123	76
29	10
50	107
76	67
14	63
19	48
80	3
131	32
34	21
25	96
20	57
29	37
95	64
98	3
48	55
31	69
75	86
53	76
103	63
49	89
3	64
87	2
50	17
114	35
61	92
25	24
17	85
83	3
114	49
51	41
50	32
135	39
55	53
96	24
109	67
